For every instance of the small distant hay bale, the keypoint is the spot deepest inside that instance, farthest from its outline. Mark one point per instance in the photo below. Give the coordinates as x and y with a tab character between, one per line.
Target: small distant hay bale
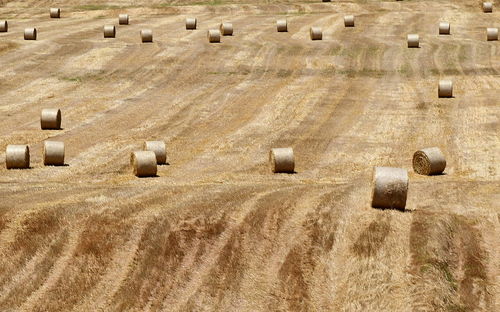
316	33
444	28
123	19
191	23
144	163
429	161
491	34
413	41
390	188
17	157
159	148
327	0
213	35
55	13
445	88
349	21
53	153
282	160
487	7
109	31
282	25
147	35
30	34
4	26
226	29
50	119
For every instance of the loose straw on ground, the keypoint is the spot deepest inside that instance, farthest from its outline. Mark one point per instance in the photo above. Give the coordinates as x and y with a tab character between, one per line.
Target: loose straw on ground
144	163
282	160
50	119
429	161
53	153
30	34
159	148
390	188
17	157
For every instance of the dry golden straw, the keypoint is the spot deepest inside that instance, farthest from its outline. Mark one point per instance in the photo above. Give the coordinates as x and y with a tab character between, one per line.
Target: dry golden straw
491	34
349	21
147	35
213	35
226	29
413	41
487	7
445	88
444	28
109	31
17	157
159	148
390	188
144	163
53	153
282	25
55	13
316	33
123	19
4	26
191	23
429	161
282	160
50	119
30	34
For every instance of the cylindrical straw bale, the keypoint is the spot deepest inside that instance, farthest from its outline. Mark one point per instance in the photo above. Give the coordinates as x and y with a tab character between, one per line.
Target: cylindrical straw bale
282	160
349	21
144	163
53	153
444	28
316	33
327	0
390	188
4	26
50	119
55	13
147	35
487	7
109	31
282	25
213	35
17	157
445	88
429	161
159	148
492	34
226	29
413	41
30	34
191	23
123	19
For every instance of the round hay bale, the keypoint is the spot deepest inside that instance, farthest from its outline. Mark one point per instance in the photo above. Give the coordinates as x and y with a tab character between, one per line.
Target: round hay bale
327	1
109	31
282	160
349	21
413	41
30	34
487	7
4	26
191	23
159	148
445	88
316	33
226	29
147	35
444	28
282	25
144	163
123	19
390	188
491	34
429	161
53	153
213	35
55	13
17	157
50	119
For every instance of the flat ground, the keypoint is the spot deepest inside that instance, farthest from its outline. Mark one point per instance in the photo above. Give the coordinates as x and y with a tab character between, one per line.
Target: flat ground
217	230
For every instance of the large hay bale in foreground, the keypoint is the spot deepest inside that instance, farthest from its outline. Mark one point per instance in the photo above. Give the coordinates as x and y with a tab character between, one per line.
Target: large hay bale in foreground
55	13
191	23
390	188
213	35
4	26
30	34
50	119
491	34
282	25
282	160
429	161
316	33
413	41
445	88
226	29
109	31
17	157
144	163
53	153
487	7
349	21
123	19
147	35
159	148
444	28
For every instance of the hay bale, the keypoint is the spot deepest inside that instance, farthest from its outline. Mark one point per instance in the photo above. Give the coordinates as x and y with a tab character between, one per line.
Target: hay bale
413	41
282	25
55	13
17	157
282	160
53	153
327	0
123	19
50	119
147	35
491	34
4	26
144	163
349	21
226	29
30	34
159	148
316	33
390	188
191	23
109	31
429	161
487	7
444	28
213	35
445	88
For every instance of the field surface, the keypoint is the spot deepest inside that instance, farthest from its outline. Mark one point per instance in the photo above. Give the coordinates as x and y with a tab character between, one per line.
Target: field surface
216	230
